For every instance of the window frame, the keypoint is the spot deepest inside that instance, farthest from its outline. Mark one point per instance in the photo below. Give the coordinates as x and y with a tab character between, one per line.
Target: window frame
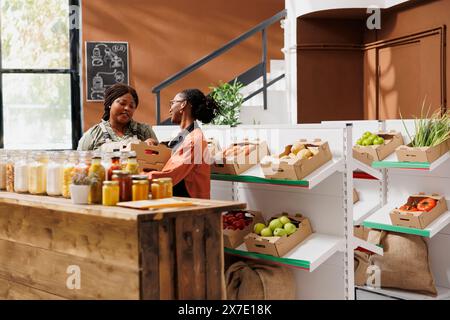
74	71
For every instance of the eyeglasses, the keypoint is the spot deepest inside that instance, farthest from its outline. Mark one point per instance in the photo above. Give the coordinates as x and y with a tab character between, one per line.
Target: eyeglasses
172	102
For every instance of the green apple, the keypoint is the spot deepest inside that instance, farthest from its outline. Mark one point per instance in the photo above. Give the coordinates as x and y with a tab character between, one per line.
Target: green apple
266	232
290	228
279	232
366	142
378	141
367	134
359	142
275	223
284	220
258	227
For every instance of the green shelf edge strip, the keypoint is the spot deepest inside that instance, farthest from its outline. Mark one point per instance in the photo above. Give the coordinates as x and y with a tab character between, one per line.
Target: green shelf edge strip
387	227
236	178
396	164
254	255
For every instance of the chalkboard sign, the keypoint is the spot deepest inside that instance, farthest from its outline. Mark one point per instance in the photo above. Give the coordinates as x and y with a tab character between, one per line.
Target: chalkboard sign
106	64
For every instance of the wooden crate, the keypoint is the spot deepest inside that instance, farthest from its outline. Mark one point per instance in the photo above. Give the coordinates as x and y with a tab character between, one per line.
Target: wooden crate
121	253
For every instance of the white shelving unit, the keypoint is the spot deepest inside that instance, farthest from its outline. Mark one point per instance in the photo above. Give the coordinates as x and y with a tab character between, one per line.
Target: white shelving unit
443	293
363	209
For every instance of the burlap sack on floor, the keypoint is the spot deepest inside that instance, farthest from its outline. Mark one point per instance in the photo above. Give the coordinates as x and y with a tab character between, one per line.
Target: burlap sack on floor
251	280
361	261
404	264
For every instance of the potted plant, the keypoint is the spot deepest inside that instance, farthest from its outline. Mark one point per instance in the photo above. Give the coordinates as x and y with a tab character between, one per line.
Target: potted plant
230	100
80	187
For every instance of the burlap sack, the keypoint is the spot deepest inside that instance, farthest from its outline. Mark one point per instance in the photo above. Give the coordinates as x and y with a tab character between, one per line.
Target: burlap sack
404	264
361	262
251	280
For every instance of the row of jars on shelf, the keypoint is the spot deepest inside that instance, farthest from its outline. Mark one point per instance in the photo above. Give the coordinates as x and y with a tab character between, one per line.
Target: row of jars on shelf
52	173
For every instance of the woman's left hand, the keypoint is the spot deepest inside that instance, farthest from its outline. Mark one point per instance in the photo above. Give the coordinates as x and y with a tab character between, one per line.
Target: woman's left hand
151	142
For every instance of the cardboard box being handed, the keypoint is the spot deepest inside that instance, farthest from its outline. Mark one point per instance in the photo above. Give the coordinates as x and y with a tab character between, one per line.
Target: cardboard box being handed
151	158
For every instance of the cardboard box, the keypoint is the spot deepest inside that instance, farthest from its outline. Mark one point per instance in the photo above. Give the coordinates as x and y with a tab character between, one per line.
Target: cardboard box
355	196
422	154
369	154
280	246
247	154
151	158
234	238
295	168
419	219
361	232
213	146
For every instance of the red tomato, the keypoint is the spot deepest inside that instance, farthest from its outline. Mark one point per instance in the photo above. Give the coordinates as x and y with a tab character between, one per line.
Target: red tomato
426	204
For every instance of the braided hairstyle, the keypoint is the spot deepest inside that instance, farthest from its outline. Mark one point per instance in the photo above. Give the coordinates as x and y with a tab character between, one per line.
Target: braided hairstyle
204	108
114	92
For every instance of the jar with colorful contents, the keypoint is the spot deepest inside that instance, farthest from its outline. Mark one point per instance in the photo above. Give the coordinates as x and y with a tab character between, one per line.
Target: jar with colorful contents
156	189
167	187
140	189
55	174
37	173
96	176
124	159
110	193
115	165
3	163
10	161
132	164
21	173
69	166
125	184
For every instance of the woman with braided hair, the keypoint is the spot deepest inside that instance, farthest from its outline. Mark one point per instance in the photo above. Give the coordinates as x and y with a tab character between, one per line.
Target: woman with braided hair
117	123
189	166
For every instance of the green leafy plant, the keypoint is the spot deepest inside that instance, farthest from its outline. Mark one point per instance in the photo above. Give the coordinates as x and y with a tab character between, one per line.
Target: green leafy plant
230	100
430	130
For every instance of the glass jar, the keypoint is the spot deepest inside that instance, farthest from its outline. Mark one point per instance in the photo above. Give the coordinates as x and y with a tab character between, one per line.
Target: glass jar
115	165
37	173
84	162
124	159
106	161
140	189
110	193
55	174
132	165
3	163
10	171
21	173
125	184
69	166
167	187
96	176
157	189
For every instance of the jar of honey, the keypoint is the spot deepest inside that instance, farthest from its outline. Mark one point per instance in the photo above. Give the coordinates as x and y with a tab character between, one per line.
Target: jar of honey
125	184
110	193
157	189
140	189
167	187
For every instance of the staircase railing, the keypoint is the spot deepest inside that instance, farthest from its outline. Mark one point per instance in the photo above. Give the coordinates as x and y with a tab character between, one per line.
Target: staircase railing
247	77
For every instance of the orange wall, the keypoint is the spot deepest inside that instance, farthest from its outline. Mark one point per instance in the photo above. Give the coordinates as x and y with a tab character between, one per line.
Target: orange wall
166	36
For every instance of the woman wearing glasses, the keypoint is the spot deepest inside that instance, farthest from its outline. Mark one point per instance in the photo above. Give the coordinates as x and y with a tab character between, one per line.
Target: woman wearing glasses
189	166
117	126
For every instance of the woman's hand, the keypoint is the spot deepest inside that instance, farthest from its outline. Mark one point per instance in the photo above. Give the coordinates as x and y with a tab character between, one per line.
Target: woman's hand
151	142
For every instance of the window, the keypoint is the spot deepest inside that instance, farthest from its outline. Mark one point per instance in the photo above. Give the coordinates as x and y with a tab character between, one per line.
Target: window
39	74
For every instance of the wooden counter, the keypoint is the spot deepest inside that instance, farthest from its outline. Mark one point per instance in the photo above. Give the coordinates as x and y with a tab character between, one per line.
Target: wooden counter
172	253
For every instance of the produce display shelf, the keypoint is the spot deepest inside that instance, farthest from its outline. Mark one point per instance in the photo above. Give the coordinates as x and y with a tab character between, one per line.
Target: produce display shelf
391	162
363	175
359	243
363	209
381	220
443	293
367	169
309	254
255	175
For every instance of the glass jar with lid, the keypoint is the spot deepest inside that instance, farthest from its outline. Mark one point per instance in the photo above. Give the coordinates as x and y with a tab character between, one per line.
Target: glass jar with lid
167	187
69	166
10	160
124	159
84	162
132	164
140	189
125	184
106	161
3	163
156	189
55	174
96	176
37	173
21	172
115	164
110	193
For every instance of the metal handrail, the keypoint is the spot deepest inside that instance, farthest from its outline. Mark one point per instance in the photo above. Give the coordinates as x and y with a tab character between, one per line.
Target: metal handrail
258	28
